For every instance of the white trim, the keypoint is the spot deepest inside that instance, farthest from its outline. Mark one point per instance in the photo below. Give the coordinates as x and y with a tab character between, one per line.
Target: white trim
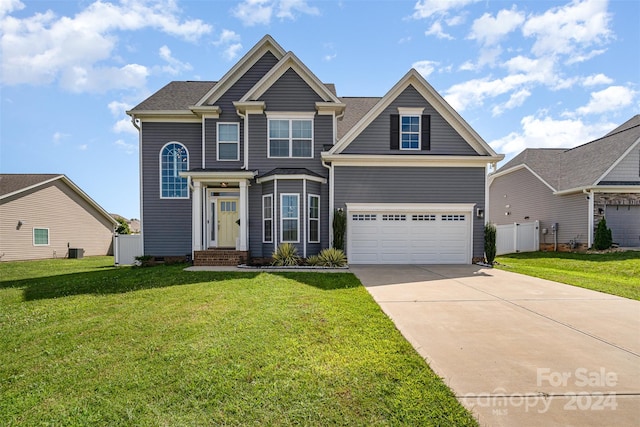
265	196
601	189
309	197
303	228
169	116
179	172
413	78
276	213
410	111
407	160
290	138
495	175
33	232
419	147
297	218
289	61
410	207
204	139
291	115
625	154
266	44
237	124
291	178
196	218
229	176
590	222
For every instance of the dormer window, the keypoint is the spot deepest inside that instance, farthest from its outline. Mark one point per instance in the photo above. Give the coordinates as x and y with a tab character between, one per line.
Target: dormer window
410	130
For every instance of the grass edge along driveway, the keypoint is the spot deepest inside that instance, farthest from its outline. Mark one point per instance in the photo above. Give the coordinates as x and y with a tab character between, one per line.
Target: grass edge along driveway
84	343
615	273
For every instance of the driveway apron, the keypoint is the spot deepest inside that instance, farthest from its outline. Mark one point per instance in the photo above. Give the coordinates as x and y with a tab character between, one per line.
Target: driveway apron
518	350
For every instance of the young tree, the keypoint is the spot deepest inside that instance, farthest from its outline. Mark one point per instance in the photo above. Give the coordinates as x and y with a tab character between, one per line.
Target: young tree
123	226
602	239
490	242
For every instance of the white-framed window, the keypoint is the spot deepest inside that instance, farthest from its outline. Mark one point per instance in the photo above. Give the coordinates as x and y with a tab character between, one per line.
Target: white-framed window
174	158
290	218
267	218
410	132
314	219
228	141
290	138
40	236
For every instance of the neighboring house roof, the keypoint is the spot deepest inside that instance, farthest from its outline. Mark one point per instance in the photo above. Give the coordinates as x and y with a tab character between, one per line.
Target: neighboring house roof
14	184
582	166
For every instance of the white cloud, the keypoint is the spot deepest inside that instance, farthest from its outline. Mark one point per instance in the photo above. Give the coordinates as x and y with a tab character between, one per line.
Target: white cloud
596	79
489	30
610	99
425	68
230	42
455	20
44	48
428	8
547	132
8	6
260	12
126	147
569	29
123	124
515	100
174	66
118	108
59	136
436	30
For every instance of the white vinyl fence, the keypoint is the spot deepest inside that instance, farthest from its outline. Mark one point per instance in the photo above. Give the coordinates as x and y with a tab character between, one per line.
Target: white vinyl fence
517	237
126	247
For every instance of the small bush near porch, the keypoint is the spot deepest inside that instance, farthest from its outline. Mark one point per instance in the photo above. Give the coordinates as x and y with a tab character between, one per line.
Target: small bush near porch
616	273
82	342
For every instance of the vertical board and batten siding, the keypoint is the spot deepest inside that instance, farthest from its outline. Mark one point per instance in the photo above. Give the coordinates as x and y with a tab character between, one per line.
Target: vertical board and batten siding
529	199
627	170
166	222
413	185
228	113
375	138
71	220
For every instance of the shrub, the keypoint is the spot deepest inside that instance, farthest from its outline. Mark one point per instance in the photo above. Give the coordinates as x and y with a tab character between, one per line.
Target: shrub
145	261
286	255
313	260
490	242
123	226
602	239
332	257
339	228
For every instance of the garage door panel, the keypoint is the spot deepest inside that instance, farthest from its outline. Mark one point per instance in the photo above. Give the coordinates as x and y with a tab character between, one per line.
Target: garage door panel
408	237
624	222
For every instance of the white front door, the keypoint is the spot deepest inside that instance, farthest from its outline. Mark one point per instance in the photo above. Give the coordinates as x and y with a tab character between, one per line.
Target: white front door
223	226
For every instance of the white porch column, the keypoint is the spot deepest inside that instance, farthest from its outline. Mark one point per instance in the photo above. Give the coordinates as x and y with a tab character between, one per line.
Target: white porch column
196	217
244	218
590	222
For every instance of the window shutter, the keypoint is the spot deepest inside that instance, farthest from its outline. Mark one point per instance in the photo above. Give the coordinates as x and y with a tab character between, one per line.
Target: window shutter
395	132
426	132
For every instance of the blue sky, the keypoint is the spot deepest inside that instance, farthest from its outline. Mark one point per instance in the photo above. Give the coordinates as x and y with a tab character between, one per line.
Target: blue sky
523	74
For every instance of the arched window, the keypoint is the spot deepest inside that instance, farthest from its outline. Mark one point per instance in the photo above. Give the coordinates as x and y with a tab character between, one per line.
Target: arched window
174	158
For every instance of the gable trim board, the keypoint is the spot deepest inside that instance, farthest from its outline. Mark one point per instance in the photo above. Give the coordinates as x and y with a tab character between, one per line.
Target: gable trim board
409	160
495	175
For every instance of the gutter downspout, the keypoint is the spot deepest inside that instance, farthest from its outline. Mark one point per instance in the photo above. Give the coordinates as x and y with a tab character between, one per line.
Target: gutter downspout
139	127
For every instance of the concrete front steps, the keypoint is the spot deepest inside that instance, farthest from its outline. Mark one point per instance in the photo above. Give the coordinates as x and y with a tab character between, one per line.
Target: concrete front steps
220	257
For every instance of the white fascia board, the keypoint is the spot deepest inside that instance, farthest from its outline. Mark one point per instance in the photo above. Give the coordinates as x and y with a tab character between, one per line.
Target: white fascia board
173	116
407	160
289	61
414	79
291	177
301	115
495	175
410	207
601	189
266	44
629	150
230	176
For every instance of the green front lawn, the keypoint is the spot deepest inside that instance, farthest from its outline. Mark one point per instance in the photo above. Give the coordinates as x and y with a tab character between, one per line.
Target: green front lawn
82	342
616	273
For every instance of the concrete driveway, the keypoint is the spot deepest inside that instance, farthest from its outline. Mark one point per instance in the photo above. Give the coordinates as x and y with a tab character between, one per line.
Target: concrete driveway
517	350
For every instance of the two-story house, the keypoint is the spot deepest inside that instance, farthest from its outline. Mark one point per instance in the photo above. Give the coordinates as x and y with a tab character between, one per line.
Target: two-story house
267	154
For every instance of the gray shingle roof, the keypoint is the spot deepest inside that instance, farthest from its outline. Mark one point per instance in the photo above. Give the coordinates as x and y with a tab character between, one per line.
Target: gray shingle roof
356	108
176	96
581	166
10	183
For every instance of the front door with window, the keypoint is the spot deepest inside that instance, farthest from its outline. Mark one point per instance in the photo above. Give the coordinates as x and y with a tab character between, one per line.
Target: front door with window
228	227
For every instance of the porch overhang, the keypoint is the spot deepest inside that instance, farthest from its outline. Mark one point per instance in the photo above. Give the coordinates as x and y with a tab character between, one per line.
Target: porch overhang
219	175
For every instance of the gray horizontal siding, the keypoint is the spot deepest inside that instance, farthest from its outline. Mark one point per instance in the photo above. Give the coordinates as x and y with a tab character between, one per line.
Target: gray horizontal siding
628	169
530	200
375	138
166	222
413	185
290	93
211	147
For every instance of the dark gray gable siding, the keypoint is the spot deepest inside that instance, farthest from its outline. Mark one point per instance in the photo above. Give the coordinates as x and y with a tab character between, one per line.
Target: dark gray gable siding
290	93
166	222
228	114
414	185
375	138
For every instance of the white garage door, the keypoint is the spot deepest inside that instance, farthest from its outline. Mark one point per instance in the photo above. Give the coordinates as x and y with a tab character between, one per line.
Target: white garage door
401	236
624	222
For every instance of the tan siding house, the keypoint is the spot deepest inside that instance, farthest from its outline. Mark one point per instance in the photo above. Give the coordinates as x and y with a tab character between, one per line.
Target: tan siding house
43	215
